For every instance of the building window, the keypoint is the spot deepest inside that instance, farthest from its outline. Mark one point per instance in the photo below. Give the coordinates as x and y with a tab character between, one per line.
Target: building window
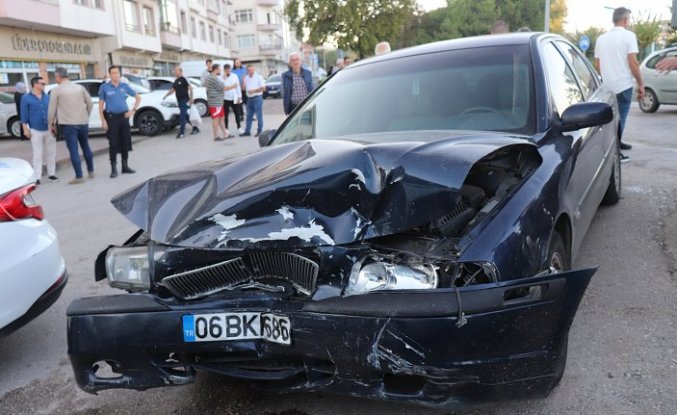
211	33
184	26
98	4
203	31
244	16
81	2
201	2
131	12
170	18
246	41
214	5
218	37
148	24
193	27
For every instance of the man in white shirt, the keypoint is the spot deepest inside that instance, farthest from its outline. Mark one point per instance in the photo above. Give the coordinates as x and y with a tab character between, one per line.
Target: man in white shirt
232	97
254	85
616	57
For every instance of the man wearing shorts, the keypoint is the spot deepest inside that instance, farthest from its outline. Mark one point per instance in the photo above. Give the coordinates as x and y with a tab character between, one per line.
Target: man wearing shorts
215	89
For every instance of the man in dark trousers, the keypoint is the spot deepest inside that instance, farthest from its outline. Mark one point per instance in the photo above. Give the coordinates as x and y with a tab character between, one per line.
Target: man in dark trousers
240	71
297	83
184	97
115	115
19	91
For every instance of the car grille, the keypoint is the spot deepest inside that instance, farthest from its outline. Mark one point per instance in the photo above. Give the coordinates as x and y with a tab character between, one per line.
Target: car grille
301	272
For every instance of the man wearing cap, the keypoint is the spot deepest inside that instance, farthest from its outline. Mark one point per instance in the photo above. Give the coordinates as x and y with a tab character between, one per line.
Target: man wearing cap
616	58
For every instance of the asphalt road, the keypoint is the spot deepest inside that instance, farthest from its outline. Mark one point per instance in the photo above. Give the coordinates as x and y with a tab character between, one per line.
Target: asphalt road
622	346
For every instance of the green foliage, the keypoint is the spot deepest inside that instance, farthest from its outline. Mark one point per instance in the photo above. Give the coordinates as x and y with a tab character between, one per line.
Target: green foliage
355	25
647	30
593	33
558	15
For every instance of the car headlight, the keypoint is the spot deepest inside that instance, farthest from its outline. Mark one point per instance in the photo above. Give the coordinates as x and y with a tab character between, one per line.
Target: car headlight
128	268
169	104
376	276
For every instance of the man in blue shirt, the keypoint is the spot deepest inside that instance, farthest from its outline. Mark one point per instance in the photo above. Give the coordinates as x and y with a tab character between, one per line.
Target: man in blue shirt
115	116
34	108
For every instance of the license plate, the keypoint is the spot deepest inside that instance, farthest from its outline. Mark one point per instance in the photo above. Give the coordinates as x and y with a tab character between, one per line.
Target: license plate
236	326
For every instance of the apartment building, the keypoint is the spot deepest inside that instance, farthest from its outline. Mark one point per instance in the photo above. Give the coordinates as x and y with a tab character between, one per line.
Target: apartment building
262	35
36	36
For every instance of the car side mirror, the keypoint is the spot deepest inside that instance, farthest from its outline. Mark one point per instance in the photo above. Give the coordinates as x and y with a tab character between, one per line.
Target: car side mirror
584	115
266	137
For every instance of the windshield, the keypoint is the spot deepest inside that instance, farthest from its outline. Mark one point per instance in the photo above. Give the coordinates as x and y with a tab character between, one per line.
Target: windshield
275	78
479	89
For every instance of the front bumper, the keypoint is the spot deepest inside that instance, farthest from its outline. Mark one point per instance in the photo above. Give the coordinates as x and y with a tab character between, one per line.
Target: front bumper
398	346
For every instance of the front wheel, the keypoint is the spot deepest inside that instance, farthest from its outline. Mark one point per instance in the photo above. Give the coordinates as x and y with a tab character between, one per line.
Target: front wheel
14	127
149	123
201	107
650	101
613	192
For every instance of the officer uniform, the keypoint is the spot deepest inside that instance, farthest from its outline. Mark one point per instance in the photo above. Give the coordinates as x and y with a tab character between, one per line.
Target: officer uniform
119	132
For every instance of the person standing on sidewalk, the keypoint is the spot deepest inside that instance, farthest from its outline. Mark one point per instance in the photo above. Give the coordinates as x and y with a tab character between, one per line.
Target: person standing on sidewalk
240	71
254	85
232	97
297	83
70	106
206	72
115	115
19	91
215	93
184	97
616	58
34	109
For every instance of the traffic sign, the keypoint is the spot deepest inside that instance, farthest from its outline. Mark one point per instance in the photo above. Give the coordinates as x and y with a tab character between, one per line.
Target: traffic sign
584	43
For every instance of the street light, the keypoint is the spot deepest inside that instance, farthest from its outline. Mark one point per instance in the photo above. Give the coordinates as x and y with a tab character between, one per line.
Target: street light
547	16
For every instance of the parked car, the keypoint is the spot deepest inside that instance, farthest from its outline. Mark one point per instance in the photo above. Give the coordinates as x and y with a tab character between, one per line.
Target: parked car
415	244
32	270
273	87
660	88
9	120
153	115
164	83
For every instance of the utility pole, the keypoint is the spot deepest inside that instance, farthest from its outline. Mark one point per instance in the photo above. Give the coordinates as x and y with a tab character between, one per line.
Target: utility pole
547	16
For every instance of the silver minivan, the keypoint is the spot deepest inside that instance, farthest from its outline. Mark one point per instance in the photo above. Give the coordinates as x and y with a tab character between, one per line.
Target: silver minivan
661	88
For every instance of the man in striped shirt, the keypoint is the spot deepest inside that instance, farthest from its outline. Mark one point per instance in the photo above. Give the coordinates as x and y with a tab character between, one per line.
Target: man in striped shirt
215	90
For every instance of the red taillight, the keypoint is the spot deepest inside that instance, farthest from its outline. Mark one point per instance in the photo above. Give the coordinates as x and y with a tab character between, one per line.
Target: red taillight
19	204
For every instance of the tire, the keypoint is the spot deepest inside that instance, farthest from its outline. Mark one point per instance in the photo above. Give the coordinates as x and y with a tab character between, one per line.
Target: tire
558	255
649	103
613	192
149	122
201	106
14	127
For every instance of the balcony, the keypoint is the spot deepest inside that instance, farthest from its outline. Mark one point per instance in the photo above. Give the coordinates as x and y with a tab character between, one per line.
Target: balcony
170	35
268	2
270	48
268	27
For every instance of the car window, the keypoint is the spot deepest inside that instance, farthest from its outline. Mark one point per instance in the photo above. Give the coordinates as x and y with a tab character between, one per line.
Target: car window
484	89
586	77
275	78
92	88
563	86
160	84
6	98
651	63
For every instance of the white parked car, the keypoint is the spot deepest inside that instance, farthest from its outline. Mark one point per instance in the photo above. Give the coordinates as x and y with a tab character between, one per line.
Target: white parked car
32	270
153	115
9	120
164	83
660	88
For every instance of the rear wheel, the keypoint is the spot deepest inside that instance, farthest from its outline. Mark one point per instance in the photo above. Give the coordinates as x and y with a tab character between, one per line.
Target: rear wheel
201	106
613	192
14	127
650	101
149	123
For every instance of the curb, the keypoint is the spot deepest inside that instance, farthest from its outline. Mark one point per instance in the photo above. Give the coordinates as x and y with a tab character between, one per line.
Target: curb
66	161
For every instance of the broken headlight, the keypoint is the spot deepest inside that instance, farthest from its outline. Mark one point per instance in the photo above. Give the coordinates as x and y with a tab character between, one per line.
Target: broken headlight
376	276
128	268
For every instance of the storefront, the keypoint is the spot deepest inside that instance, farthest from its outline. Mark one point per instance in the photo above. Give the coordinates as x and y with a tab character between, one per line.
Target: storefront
140	64
25	54
165	62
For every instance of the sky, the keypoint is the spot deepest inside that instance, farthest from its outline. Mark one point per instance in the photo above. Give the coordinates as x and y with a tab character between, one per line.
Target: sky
585	13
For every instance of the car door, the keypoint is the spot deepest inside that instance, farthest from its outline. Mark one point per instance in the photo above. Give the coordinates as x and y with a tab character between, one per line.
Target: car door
93	88
664	84
587	147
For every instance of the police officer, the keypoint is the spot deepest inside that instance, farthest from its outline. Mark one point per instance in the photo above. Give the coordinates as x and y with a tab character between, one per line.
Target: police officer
115	116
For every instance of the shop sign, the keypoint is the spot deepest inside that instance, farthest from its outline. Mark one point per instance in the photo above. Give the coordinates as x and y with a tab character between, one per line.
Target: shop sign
31	44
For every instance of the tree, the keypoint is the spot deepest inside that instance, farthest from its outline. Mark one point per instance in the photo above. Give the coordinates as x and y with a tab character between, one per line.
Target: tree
558	16
355	25
647	31
593	33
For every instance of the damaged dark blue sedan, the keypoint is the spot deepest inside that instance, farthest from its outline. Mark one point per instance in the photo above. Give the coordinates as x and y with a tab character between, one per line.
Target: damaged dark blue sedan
407	234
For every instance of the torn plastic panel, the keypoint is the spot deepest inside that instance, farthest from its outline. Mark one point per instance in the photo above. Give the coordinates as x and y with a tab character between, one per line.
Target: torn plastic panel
319	193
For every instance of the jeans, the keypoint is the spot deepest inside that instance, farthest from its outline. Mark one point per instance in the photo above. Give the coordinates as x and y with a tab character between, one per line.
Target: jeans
624	100
254	104
74	134
43	140
183	115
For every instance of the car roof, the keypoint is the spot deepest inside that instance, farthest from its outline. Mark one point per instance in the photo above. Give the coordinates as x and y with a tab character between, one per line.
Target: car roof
508	39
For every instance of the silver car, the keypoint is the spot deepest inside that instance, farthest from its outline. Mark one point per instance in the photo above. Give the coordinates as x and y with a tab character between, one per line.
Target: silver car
9	120
661	88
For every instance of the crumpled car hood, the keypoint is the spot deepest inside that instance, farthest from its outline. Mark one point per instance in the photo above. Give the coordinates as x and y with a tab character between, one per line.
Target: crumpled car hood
309	193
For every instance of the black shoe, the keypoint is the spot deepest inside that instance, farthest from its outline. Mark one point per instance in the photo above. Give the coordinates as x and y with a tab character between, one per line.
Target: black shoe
37	182
180	135
245	134
53	179
624	158
113	170
126	169
625	146
195	131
